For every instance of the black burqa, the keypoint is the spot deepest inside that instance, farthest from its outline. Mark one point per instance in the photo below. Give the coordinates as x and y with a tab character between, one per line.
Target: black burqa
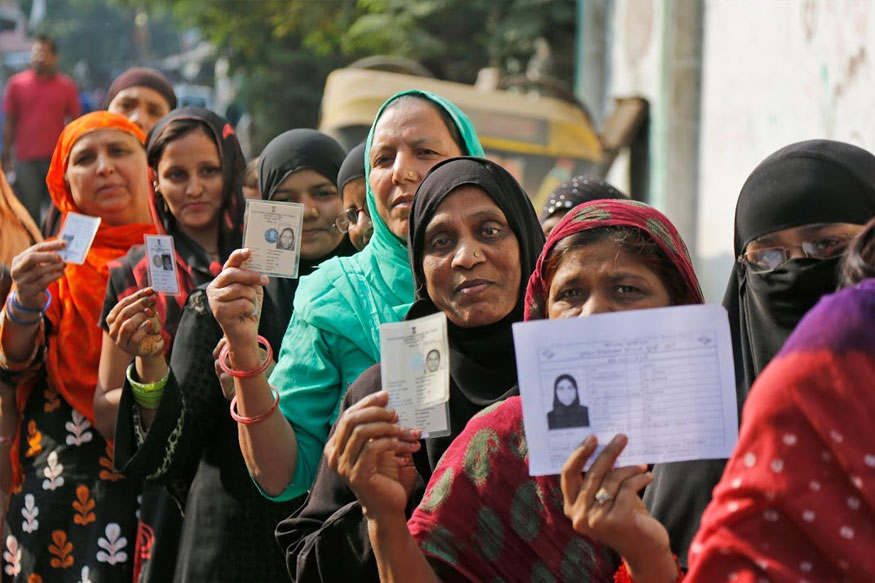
482	372
816	181
289	152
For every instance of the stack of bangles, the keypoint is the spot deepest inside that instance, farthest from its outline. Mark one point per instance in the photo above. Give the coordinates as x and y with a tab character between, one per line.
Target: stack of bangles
248	374
147	395
12	302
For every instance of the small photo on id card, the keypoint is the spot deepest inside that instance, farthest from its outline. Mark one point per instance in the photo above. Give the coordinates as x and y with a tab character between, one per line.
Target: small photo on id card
162	264
272	230
78	232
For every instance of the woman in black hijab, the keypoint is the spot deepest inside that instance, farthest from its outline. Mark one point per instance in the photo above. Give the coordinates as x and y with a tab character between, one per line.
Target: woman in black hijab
302	165
795	215
567	410
191	445
482	371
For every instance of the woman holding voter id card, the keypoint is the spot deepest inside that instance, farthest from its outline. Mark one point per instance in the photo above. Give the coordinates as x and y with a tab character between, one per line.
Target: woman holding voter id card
483	518
474	241
71	510
334	332
197	207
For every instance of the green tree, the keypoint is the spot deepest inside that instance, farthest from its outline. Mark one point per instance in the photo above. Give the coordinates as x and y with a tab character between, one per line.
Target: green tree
286	48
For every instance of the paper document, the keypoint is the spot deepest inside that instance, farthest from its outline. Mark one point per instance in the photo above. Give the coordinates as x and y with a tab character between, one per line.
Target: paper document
664	377
272	230
414	365
162	264
78	232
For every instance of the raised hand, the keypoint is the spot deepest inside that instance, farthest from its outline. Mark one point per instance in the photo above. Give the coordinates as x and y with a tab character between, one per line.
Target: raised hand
371	452
134	326
235	297
34	269
604	504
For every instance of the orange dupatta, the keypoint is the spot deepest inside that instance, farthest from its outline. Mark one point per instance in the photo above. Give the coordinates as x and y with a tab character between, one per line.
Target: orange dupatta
74	340
18	231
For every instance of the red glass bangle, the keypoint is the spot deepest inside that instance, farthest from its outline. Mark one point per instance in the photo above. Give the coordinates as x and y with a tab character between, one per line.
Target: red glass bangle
246	374
258	418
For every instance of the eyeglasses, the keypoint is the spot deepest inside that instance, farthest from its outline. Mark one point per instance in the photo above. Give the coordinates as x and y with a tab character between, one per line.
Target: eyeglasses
350	218
763	260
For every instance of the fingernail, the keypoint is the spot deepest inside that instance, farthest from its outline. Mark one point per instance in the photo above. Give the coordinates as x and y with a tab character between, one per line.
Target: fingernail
391	411
589	441
263	280
417	434
619	439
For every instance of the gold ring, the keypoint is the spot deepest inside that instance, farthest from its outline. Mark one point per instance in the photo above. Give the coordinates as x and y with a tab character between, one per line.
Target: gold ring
477	254
603	497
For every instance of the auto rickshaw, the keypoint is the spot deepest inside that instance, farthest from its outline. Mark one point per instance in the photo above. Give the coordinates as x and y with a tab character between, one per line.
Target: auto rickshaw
543	141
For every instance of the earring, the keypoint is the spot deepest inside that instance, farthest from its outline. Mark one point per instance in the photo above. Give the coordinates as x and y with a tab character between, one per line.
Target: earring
155	186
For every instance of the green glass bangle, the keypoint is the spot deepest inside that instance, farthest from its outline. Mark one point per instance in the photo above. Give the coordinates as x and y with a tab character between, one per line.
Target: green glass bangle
147	395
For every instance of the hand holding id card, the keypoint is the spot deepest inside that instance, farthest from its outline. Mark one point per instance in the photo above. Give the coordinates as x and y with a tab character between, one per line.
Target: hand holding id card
78	232
415	372
162	264
272	231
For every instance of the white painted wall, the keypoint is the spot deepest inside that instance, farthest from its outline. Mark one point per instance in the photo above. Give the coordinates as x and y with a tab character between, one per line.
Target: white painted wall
775	72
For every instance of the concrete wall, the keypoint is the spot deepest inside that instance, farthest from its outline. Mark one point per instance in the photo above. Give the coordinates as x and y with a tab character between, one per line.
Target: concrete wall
729	82
775	72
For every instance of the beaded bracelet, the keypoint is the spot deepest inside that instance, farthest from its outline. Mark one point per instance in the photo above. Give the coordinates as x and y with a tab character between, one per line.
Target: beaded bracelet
147	395
257	418
246	374
21	308
15	319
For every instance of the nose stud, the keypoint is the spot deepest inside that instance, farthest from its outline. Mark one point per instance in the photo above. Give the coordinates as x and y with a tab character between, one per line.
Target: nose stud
477	254
410	174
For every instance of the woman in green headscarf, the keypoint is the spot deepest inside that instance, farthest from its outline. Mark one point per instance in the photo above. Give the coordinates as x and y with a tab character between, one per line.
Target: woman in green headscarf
334	333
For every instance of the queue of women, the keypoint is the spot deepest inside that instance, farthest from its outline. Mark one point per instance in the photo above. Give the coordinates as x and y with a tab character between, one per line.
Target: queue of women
154	437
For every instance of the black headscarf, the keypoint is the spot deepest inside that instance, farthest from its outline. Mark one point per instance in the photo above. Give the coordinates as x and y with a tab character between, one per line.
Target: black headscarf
289	152
295	150
197	261
482	360
816	181
578	190
572	415
353	167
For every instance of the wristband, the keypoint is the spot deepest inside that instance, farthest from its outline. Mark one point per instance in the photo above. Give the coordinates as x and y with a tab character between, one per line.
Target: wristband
257	418
246	374
17	305
147	395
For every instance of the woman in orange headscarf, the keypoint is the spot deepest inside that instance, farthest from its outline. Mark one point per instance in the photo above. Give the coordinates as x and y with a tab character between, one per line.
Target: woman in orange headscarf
69	510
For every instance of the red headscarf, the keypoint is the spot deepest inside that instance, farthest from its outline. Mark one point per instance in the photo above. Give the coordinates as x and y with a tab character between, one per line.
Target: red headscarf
73	347
607	213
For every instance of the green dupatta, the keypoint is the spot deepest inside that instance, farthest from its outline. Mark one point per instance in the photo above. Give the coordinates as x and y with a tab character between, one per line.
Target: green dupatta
352	296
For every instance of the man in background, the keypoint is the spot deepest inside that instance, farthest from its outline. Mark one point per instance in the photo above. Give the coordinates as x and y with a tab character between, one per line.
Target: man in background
38	103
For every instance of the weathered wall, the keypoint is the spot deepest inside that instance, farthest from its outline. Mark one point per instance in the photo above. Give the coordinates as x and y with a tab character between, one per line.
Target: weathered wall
770	72
775	72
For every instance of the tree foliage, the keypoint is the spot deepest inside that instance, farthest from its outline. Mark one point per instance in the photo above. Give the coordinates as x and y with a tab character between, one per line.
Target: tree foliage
286	48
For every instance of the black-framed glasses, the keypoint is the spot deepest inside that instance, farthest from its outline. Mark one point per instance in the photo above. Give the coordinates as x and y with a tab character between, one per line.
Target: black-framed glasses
769	259
349	218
